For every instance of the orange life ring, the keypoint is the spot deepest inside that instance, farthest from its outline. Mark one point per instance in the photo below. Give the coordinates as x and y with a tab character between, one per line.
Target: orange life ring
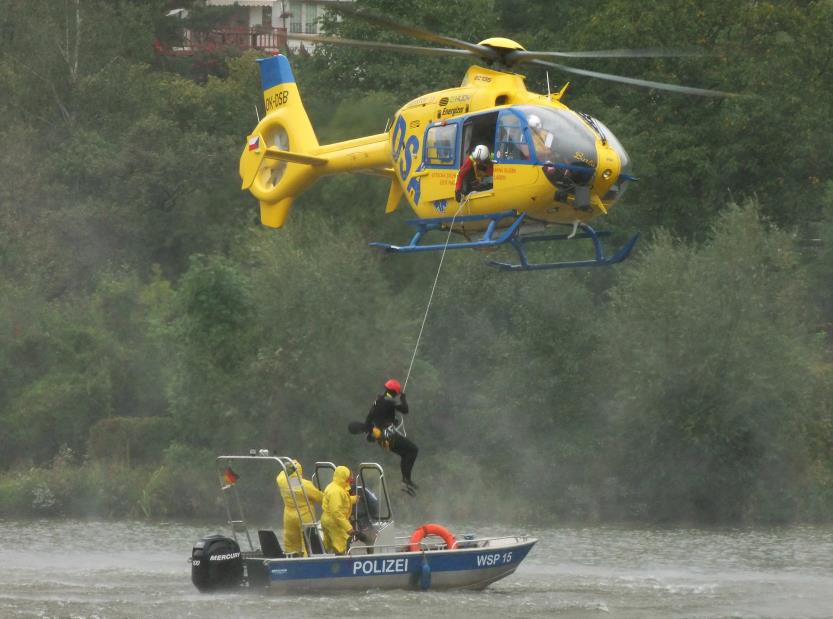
431	529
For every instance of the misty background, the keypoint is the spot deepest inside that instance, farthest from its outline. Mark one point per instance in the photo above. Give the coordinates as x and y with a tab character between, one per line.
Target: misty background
148	322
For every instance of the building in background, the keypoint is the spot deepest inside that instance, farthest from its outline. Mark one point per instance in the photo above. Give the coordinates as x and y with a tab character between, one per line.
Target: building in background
278	20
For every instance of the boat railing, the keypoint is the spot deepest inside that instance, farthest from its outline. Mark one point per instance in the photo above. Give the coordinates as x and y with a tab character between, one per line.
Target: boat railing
461	544
403	544
287	465
371	474
376	548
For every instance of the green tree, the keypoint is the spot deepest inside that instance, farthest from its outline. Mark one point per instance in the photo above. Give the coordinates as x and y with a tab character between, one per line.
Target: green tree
51	47
714	391
353	72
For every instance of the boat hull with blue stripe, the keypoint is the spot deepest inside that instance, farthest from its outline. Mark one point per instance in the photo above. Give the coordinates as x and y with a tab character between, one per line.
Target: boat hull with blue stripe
459	568
431	558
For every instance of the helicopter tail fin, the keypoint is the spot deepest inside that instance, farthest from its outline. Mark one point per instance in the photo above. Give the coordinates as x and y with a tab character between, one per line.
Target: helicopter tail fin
276	165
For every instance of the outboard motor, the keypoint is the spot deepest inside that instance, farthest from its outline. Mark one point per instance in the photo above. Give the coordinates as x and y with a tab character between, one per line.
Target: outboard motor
216	564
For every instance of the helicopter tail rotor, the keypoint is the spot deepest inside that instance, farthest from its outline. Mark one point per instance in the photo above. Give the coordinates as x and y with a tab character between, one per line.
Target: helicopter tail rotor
275	165
282	156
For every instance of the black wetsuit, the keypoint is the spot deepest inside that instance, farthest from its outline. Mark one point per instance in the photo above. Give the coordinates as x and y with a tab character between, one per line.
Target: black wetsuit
382	415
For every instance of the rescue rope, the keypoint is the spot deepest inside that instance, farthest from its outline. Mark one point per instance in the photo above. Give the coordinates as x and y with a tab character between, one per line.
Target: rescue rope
433	288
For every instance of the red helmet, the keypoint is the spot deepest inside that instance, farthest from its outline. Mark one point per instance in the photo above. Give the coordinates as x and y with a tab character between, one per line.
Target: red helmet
393	386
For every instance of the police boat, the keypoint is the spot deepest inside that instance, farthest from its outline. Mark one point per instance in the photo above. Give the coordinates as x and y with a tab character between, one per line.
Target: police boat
251	558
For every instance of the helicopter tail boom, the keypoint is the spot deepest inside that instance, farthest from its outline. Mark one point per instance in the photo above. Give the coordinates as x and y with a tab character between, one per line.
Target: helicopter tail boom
282	156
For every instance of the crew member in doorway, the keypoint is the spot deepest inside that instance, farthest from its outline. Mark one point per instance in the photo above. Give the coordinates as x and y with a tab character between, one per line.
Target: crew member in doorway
381	427
296	510
475	174
335	512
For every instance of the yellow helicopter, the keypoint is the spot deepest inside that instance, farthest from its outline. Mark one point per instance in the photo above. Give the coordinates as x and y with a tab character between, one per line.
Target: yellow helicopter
548	164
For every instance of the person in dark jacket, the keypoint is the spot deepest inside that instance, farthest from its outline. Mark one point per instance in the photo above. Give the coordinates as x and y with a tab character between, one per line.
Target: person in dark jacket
381	427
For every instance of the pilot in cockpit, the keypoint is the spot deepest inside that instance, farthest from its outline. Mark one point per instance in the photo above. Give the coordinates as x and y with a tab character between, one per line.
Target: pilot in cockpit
542	140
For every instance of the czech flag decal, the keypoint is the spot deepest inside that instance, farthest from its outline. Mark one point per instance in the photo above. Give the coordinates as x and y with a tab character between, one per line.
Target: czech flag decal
254	142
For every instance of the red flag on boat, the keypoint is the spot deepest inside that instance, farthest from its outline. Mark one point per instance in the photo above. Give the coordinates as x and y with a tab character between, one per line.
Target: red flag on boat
229	477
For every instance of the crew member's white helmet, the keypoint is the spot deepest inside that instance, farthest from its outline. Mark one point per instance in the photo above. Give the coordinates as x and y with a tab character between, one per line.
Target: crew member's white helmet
533	121
480	152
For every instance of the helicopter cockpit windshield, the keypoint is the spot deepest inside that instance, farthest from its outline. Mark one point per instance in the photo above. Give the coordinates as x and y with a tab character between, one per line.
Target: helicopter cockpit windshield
558	136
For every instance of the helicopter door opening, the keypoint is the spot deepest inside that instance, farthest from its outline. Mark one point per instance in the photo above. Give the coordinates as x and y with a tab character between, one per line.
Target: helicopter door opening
479	130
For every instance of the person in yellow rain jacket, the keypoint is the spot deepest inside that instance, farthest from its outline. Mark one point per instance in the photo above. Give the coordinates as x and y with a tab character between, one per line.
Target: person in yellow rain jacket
335	512
297	485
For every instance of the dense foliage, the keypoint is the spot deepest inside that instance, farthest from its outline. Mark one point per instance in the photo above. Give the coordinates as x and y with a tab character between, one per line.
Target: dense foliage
147	320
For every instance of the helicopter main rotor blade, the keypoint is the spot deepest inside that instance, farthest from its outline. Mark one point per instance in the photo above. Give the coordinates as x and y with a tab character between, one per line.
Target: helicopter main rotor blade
688	90
525	56
418	33
392	47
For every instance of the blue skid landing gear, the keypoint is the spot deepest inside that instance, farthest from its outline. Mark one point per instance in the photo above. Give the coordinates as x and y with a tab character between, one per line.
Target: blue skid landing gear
599	259
424	226
512	236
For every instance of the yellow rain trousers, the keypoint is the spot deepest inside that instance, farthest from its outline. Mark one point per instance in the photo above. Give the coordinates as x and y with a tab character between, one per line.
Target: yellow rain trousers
297	485
335	511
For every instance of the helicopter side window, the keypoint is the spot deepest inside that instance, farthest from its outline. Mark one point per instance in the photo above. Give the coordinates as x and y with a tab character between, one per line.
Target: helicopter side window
440	142
511	144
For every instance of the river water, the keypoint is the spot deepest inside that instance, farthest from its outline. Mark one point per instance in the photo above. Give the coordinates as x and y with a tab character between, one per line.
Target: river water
129	569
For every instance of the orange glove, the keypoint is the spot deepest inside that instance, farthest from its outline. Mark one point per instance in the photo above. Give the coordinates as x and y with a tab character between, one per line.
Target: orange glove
377	433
